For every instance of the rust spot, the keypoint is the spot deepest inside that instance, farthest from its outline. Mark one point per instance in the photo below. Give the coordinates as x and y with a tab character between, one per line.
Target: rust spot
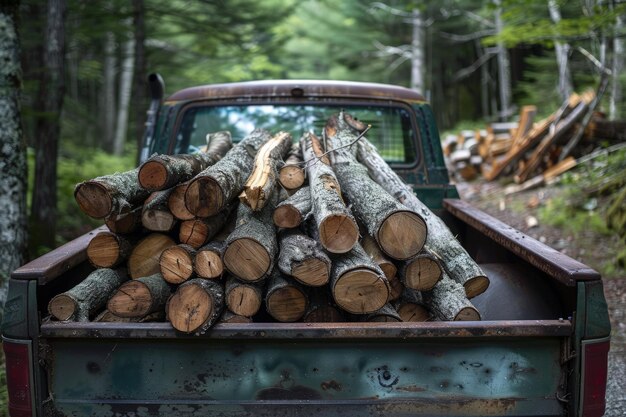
332	384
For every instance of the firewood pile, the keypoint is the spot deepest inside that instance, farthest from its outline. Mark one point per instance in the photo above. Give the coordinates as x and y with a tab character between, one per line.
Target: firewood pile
529	150
269	231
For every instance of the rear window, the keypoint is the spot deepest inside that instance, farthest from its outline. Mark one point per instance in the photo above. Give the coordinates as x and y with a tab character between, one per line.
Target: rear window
392	131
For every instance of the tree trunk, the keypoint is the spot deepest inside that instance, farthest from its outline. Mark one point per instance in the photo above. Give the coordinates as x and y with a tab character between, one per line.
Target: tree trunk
13	175
562	55
155	214
262	182
144	259
88	297
400	232
292	211
195	306
291	174
198	232
456	261
108	92
615	103
208	262
165	171
303	258
124	223
417	52
219	184
285	300
447	301
140	297
243	298
108	250
126	85
139	81
176	263
49	106
422	272
337	228
110	194
504	74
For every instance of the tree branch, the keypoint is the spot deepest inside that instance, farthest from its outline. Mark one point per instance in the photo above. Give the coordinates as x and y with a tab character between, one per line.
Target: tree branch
467	37
466	72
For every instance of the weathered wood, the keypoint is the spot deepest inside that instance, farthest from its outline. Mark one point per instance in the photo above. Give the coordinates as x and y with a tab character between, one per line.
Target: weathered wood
165	171
87	298
107	317
124	223
421	272
208	261
243	298
216	186
230	317
110	194
292	211
448	302
321	307
156	215
387	314
371	248
196	305
399	231
303	258
144	259
291	175
140	297
198	232
285	300
440	240
262	181
337	228
108	250
358	285
527	116
176	263
252	247
176	202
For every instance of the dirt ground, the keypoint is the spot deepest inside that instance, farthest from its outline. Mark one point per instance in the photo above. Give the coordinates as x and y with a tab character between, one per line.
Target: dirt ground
521	211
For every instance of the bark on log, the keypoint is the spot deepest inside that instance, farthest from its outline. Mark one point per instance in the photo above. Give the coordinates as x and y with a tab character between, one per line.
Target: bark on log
303	258
198	232
108	250
230	317
321	308
195	306
156	215
251	248
208	261
176	202
292	211
357	284
110	194
337	228
400	232
285	300
262	182
144	259
291	174
243	298
88	297
422	272
448	302
165	171
124	223
140	297
387	314
176	263
216	186
371	248
107	317
456	261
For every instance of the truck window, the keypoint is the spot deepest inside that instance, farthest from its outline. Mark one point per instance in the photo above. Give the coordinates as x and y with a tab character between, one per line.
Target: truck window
392	131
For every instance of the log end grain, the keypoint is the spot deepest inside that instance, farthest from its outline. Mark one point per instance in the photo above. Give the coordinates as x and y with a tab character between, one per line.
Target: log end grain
204	197
193	233
361	291
324	314
133	299
287	217
208	264
287	304
176	265
338	233
247	259
144	259
395	289
389	269
103	250
291	177
475	286
124	223
312	271
467	314
93	199
62	307
153	175
244	300
158	220
176	203
422	273
411	312
189	308
402	234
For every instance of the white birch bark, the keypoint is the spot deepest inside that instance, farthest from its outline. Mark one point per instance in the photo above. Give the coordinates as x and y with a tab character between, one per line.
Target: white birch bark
108	96
562	52
504	75
616	68
417	51
126	84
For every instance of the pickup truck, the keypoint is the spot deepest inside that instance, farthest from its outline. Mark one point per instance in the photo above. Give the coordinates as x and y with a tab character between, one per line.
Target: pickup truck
540	349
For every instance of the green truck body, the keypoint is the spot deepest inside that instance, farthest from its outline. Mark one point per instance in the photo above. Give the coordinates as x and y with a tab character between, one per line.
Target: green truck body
541	349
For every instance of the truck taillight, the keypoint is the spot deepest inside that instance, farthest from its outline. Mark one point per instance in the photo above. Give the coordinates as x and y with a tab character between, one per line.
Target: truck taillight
595	359
17	358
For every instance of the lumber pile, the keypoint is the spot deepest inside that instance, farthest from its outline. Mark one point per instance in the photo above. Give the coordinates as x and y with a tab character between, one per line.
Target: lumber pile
269	229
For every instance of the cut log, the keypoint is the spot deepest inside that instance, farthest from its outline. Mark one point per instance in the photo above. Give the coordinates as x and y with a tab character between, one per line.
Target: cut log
208	261
285	300
422	272
165	171
357	284
455	259
291	174
303	258
387	314
337	228
371	248
212	189
198	232
400	232
140	297
447	301
292	211
411	307
196	305
144	259
252	247
176	202
321	308
243	298
526	118
110	195
87	298
230	317
156	215
125	223
396	287
107	250
107	317
176	263
262	181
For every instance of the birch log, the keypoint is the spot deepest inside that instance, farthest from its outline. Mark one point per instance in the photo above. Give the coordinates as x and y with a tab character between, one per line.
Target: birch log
198	232
422	272
243	298
107	250
176	202
292	211
321	308
291	174
140	297
285	300
144	259
155	214
176	263
208	261
303	258
387	314
195	306
124	223
230	317
216	186
448	302
371	248
411	307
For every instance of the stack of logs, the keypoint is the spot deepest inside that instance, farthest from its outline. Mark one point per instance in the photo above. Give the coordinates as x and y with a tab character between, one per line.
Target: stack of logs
267	230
